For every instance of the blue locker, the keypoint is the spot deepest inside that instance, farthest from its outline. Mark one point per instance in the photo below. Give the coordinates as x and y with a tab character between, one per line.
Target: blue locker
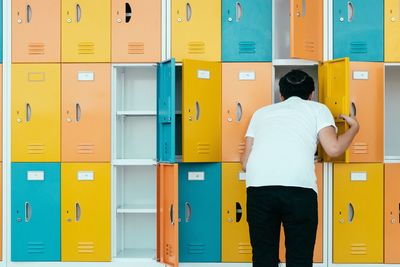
166	111
200	212
358	29
35	227
246	30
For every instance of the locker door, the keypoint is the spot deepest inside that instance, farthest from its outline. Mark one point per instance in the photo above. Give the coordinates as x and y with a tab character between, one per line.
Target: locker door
1	31
196	29
201	111
392	213
246	87
166	111
392	31
35	117
86	109
1	211
35	212
318	248
366	93
86	31
358	30
167	214
358	213
136	31
200	212
333	91
36	35
307	29
246	30
85	205
236	245
1	113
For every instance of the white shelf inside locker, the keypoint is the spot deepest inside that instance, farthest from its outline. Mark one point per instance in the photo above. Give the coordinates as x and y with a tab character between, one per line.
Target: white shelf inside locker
293	62
136	255
134	162
137	113
137	208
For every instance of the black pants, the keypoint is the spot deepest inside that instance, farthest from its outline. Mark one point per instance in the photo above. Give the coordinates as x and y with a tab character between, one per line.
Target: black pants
297	209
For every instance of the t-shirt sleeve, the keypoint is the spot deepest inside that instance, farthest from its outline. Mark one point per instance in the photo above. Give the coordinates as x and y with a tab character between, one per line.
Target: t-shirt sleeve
250	130
325	119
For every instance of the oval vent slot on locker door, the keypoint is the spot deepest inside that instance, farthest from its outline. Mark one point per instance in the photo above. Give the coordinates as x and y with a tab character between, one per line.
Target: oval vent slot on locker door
128	12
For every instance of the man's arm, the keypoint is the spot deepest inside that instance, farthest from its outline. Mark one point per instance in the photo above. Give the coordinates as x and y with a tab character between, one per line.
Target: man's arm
247	150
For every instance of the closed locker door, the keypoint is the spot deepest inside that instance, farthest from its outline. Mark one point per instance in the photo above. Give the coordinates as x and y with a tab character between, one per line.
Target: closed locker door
392	31
167	214
307	29
35	117
86	109
35	212
201	111
136	31
333	91
246	30
236	245
200	212
166	111
85	207
196	29
1	210
318	247
1	31
246	87
358	30
392	213
1	112
366	94
86	31
36	32
358	213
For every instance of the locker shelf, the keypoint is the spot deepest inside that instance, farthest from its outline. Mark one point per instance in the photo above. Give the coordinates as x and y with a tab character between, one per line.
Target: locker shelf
138	254
134	162
293	62
137	113
137	208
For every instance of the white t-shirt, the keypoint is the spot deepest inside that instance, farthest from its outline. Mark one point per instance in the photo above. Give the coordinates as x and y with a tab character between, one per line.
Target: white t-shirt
285	141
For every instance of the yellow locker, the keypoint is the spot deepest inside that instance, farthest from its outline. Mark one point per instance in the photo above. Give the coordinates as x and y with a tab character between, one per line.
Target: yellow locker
201	111
196	29
35	113
236	245
86	31
86	209
392	31
358	213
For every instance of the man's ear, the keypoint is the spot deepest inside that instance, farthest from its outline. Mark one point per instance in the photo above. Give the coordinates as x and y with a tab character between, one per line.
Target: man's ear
282	98
311	96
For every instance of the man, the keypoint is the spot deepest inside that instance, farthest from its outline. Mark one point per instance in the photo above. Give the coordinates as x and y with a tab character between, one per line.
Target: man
281	142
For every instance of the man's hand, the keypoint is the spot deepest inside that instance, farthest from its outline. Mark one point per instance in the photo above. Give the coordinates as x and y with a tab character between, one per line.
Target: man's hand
351	121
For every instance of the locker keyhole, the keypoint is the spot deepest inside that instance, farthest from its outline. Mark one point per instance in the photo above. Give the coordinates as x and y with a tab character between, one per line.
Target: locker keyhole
128	12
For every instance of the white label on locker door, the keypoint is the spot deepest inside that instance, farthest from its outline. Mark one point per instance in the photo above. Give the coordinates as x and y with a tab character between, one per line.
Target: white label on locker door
85	76
35	176
85	176
242	176
359	176
360	75
203	74
196	176
247	76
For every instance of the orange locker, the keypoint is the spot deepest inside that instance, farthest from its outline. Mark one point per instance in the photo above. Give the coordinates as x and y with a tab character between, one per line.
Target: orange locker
246	87
318	249
36	34
136	31
1	211
306	29
367	95
86	109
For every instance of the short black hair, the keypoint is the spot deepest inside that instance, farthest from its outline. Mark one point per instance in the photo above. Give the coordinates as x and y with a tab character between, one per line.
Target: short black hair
296	83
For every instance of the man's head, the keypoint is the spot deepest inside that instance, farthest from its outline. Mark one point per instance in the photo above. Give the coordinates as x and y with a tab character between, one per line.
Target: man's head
296	83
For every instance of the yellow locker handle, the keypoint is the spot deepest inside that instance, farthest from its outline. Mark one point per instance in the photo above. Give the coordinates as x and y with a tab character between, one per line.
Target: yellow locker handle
78	13
171	214
28	112
188	11
238	112
239	212
197	110
78	112
350	11
28	13
77	212
351	213
188	212
239	11
28	212
128	12
353	110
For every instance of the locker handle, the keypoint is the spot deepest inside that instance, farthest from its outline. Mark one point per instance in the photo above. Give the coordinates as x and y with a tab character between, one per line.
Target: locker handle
28	112
188	11
303	8
28	13
239	212
197	111
238	112
128	12
353	109
188	212
28	212
77	212
351	213
239	11
171	214
350	11
78	112
78	13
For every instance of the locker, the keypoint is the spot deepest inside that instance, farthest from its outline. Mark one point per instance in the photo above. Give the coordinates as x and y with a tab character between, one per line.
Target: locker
318	248
86	209
392	31
333	91
86	31
199	212
136	31
358	213
86	109
1	114
35	126
1	31
358	30
246	87
1	211
201	111
307	29
167	214
166	111
35	212
36	35
246	30
196	29
236	245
